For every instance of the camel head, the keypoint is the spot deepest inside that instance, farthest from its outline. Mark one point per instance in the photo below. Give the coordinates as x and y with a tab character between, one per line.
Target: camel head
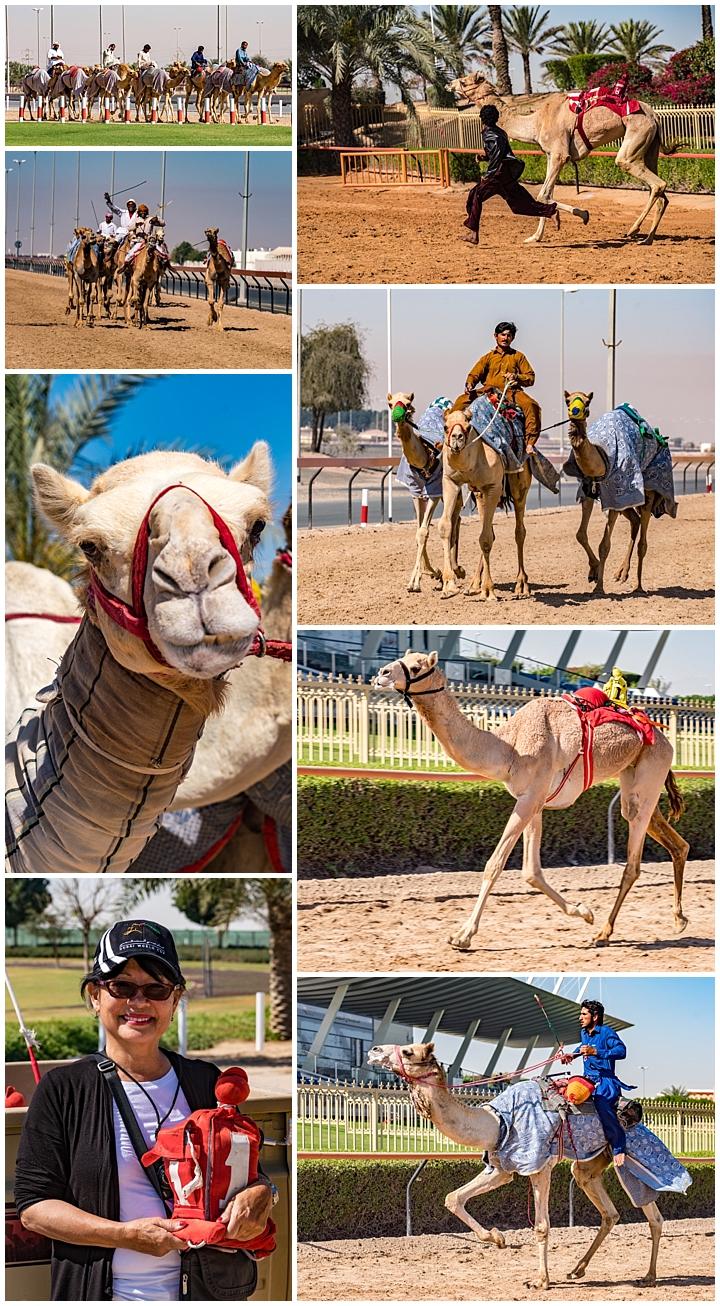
187	587
578	406
416	1062
475	88
401	406
211	234
403	673
278	67
459	429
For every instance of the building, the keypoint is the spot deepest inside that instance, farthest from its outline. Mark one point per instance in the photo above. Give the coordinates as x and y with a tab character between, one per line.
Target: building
266	260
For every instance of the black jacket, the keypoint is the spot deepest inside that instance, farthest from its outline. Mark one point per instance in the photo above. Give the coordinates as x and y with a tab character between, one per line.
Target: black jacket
67	1153
498	153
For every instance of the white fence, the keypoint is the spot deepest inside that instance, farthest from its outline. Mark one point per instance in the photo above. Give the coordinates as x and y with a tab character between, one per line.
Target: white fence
338	1118
348	723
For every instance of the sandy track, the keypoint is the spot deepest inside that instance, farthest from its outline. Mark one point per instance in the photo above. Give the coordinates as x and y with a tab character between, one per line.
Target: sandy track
410	235
401	922
354	575
454	1267
38	335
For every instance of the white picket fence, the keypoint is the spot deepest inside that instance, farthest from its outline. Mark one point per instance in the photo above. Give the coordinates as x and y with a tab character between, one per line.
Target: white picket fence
340	1118
348	723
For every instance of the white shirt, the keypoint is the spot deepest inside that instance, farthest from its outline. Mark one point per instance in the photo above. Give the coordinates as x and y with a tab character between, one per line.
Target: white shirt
127	219
137	1276
54	57
145	61
108	229
110	59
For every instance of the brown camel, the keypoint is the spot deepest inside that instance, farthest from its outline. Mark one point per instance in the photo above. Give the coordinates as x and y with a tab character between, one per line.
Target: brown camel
194	82
85	267
217	273
534	755
480	1127
424	459
72	86
591	461
77	231
552	125
107	246
264	83
468	460
122	275
146	273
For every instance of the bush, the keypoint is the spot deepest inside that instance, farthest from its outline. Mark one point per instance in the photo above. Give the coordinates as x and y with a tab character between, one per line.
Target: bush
366	827
691	176
366	1198
582	66
640	79
186	952
690	75
60	1039
317	163
558	70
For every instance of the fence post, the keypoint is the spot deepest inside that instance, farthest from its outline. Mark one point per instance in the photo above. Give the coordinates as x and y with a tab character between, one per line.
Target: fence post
63	109
364	729
408	1211
21	110
374	1123
259	1022
233	116
182	1027
206	109
154	109
672	734
84	108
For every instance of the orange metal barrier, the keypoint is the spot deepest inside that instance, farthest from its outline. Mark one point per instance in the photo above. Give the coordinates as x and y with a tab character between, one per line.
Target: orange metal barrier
395	167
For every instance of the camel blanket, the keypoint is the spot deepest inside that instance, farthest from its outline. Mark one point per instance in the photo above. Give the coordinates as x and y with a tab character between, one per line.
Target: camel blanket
246	75
36	82
156	78
531	1135
504	434
187	840
432	430
221	79
70	808
637	459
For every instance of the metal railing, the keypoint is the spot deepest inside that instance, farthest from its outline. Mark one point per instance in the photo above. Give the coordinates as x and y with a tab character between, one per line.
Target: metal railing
342	1118
347	723
270	292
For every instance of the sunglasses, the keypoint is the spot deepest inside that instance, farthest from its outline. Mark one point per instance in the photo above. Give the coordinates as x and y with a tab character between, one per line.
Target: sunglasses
126	990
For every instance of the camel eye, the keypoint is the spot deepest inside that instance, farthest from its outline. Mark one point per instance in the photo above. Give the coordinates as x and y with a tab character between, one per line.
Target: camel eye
90	549
256	532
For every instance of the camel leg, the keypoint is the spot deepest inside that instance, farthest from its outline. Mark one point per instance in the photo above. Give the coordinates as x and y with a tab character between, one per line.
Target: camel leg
427	567
545	194
541	1194
220	307
533	874
452	501
492	1177
645	515
481	582
639	793
582	537
519	487
424	509
604	549
662	832
630	162
634	519
525	810
588	1175
655	1220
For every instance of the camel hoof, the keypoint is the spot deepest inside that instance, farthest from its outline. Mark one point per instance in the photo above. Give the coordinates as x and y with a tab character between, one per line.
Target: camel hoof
459	943
413	589
647	1281
531	240
586	913
540	1283
681	923
450	593
648	240
459	572
598	592
576	1274
592	576
601	942
497	1238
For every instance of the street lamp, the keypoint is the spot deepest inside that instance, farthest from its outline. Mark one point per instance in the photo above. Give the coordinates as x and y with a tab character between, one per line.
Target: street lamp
38	12
7	173
259	25
563	293
643	1068
19	163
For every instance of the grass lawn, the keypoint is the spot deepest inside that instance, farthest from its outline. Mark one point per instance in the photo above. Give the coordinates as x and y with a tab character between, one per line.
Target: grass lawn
160	134
46	993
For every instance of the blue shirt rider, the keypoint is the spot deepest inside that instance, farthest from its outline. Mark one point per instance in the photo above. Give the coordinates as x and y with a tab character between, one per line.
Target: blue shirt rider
601	1048
198	61
241	55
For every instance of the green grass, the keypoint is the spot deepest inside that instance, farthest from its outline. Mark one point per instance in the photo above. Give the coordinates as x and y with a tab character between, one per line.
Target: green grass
162	134
49	993
60	1039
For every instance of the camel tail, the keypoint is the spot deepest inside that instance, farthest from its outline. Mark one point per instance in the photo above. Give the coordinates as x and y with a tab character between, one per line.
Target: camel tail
675	798
672	147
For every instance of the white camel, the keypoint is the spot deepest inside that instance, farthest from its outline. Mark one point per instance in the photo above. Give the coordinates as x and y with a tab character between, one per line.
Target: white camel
480	1127
41	619
536	755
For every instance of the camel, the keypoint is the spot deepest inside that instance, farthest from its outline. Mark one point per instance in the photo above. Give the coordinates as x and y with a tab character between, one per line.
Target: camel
421	456
146	273
104	83
84	274
468	460
552	125
194	82
108	249
480	1127
77	232
152	84
36	642
218	88
168	611
35	87
217	273
263	84
534	755
592	463
70	82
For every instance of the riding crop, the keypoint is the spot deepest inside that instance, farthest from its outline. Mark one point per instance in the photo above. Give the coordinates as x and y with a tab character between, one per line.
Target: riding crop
28	1034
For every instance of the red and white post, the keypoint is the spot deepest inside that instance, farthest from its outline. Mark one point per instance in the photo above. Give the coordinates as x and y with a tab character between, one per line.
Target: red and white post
40	108
233	115
364	508
126	117
263	107
84	108
154	109
63	109
181	109
106	112
709	482
206	109
21	110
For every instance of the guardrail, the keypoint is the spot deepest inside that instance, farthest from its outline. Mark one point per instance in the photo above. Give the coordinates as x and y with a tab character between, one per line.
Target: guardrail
269	292
353	724
347	1118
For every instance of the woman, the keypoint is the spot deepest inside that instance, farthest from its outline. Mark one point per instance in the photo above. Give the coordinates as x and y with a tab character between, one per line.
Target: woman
78	1179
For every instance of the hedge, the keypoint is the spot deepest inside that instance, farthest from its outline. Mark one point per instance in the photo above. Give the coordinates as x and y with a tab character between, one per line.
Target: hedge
366	1198
60	1039
367	826
689	176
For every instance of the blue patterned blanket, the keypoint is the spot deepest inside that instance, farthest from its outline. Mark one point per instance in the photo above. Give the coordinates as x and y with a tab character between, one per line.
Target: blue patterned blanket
637	461
530	1137
432	428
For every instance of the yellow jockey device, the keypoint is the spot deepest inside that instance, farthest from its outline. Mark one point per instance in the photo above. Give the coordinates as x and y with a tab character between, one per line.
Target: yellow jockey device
576	407
578	1089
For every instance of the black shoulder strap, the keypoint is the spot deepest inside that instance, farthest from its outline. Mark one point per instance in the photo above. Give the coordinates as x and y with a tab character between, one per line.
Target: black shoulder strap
108	1070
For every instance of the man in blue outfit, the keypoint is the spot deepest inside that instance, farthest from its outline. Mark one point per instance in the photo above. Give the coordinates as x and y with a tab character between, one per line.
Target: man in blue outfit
601	1048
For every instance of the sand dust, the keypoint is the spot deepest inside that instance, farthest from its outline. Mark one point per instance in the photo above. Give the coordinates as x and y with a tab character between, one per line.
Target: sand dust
410	235
401	922
38	335
354	575
454	1267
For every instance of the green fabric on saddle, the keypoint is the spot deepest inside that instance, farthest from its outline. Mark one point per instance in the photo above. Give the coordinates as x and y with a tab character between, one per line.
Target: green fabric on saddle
647	432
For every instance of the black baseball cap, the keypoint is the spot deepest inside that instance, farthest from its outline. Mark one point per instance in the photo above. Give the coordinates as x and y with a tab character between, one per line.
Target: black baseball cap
128	939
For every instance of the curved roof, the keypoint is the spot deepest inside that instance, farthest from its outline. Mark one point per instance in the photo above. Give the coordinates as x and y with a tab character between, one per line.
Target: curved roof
498	1000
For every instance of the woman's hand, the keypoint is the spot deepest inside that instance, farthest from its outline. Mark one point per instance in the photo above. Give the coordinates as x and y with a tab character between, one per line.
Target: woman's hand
246	1215
153	1236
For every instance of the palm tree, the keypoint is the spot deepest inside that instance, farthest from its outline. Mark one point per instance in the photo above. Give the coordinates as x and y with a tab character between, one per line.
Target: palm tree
500	51
39	427
675	1090
527	34
580	38
341	42
707	23
460	34
634	41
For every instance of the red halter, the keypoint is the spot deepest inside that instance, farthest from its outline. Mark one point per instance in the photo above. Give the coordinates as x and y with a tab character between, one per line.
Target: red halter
134	619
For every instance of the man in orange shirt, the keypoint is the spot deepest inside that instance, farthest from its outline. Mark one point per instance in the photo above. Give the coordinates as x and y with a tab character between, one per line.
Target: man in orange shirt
503	363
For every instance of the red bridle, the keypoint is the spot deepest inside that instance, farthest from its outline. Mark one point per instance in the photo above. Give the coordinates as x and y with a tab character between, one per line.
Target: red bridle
456	426
399	1068
133	618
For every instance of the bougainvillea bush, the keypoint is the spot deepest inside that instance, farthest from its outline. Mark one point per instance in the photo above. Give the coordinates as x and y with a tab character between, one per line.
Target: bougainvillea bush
640	79
690	75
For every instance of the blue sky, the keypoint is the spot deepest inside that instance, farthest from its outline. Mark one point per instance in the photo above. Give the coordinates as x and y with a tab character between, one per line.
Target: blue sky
159	907
672	1035
224	414
204	186
438	333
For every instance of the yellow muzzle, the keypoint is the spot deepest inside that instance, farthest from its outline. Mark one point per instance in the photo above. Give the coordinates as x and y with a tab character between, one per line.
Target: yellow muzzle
576	407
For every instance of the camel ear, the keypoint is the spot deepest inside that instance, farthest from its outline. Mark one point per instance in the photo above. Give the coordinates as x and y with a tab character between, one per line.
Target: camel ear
389	397
432	660
587	401
429	1047
566	393
411	396
256	469
57	496
407	655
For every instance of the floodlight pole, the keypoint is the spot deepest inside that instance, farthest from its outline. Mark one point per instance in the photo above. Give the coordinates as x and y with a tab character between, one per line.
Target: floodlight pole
19	163
390	391
162	181
32	206
122	7
52	206
77	192
101	37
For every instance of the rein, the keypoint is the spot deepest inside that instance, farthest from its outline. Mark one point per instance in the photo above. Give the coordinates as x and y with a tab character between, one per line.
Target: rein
400	1070
40	616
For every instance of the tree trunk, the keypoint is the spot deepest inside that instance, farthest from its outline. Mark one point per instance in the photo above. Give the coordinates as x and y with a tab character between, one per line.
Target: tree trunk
341	106
86	949
317	431
280	923
500	52
707	27
526	66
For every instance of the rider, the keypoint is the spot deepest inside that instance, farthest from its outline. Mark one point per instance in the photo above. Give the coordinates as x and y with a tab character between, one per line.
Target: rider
243	62
55	57
128	216
110	59
198	62
142	229
601	1048
502	178
144	62
493	369
108	229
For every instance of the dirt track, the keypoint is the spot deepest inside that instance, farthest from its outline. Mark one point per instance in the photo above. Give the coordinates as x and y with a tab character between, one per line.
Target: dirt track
38	335
454	1267
410	235
357	575
401	922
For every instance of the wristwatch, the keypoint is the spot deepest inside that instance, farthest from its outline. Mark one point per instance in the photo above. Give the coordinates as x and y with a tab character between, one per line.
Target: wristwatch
275	1194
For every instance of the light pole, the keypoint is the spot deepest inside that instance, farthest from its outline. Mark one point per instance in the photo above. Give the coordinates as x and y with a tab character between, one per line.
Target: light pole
563	293
52	206
390	391
218	33
259	27
245	197
7	174
19	163
643	1068
123	32
32	206
77	192
611	345
177	44
38	12
101	37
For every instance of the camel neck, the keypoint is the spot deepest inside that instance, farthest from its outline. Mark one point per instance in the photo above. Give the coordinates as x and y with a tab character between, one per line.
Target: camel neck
588	458
414	448
476	750
470	1126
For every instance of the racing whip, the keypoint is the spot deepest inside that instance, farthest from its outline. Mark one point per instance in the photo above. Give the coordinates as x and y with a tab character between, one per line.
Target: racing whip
28	1034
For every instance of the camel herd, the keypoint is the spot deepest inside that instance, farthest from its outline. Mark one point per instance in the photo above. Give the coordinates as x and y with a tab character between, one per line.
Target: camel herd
112	88
100	277
469	461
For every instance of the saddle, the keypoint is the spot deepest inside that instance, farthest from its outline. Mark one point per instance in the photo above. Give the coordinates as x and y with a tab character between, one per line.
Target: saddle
600	97
74	70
